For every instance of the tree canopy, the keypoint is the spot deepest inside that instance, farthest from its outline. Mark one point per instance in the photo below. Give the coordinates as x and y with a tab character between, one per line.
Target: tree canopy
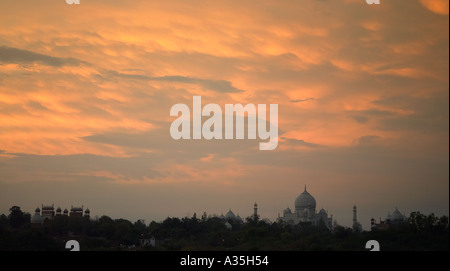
420	232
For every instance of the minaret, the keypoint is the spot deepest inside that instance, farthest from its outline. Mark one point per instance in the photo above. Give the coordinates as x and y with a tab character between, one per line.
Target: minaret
255	211
355	221
87	213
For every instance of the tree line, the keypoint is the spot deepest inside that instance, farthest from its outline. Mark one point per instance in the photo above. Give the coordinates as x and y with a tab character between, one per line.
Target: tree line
420	232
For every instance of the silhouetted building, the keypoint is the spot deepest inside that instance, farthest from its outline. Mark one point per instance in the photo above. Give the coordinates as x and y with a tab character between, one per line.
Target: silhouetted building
356	225
76	211
228	226
305	213
230	216
392	220
148	242
48	212
36	219
87	212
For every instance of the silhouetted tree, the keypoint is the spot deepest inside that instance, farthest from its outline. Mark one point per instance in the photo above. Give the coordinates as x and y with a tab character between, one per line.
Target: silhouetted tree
357	228
204	216
4	222
106	227
140	229
421	222
422	232
16	217
342	232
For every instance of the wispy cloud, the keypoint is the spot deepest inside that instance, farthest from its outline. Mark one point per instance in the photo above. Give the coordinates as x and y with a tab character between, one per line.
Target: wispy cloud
302	100
299	142
18	56
222	86
116	74
367	139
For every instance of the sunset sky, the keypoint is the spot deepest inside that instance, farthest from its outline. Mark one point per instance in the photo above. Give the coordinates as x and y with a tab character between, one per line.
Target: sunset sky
362	93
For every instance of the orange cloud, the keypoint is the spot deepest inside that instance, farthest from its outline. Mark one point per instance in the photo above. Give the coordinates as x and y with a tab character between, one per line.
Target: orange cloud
437	6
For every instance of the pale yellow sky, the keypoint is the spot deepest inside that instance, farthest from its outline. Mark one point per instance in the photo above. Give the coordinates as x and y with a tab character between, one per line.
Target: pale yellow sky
86	90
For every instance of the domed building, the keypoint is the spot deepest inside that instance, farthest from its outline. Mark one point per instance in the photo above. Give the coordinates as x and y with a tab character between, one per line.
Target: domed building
48	213
36	219
394	219
305	212
230	215
228	226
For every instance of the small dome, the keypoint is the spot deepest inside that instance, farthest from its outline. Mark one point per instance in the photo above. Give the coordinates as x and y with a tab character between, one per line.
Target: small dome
37	210
397	216
287	211
322	212
239	219
230	215
305	200
66	211
87	211
228	226
37	218
388	217
58	210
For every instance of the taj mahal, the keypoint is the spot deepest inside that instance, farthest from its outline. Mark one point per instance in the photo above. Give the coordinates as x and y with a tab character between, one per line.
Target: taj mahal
305	213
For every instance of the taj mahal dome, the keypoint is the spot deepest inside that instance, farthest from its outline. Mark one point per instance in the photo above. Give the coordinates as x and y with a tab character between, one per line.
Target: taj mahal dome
305	212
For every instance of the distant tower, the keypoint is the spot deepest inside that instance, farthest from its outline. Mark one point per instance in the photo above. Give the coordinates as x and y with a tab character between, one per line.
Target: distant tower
76	211
87	213
255	211
48	211
356	225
